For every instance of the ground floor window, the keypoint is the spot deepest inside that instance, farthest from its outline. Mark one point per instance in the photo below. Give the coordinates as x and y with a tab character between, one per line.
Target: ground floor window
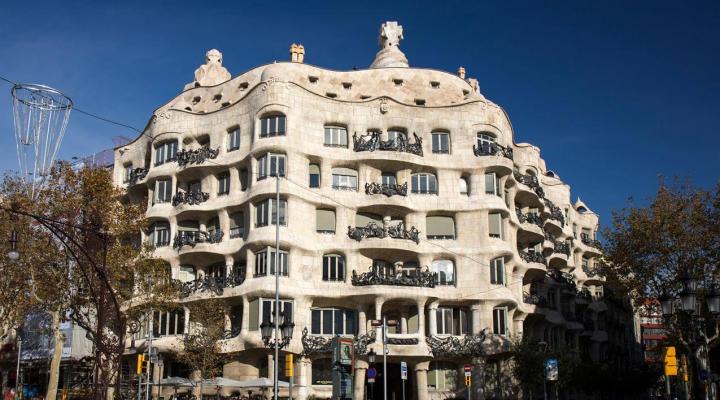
442	376
322	372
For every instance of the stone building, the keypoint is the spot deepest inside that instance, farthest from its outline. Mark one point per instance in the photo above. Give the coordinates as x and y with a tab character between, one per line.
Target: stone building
403	194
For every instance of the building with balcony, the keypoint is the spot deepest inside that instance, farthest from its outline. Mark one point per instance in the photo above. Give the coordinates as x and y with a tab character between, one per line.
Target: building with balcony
403	194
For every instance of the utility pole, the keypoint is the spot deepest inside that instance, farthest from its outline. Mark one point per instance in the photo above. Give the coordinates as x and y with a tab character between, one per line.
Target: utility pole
276	363
18	387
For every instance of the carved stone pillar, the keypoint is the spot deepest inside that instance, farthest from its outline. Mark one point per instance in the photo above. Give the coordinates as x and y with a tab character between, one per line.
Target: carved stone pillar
476	310
404	320
303	378
421	320
362	319
360	370
245	316
433	319
421	370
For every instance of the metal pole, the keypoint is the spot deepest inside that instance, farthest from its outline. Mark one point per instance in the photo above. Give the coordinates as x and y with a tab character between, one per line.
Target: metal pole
140	386
150	338
290	381
544	388
277	282
17	371
667	387
384	329
469	391
404	389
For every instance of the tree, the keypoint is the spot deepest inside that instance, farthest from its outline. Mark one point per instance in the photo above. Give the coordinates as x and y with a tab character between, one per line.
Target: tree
201	346
81	258
528	366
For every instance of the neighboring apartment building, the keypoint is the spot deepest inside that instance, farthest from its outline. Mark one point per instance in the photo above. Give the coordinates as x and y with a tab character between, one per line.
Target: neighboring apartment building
403	195
652	331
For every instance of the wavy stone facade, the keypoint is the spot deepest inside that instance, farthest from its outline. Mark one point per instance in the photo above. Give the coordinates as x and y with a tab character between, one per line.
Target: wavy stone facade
493	249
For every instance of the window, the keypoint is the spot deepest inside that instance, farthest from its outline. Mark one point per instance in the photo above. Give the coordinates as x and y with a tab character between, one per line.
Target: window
233	141
314	171
336	136
364	219
463	185
397	136
188	228
266	212
497	271
168	323
388	179
333	267
344	179
160	234
213	226
273	125
492	184
194	187
244	179
237	225
495	222
267	311
439	227
444	272
325	221
163	191
223	183
166	152
443	376
441	142
187	273
272	165
452	321
128	172
262	263
485	141
585	263
333	321
322	372
500	321
218	270
424	183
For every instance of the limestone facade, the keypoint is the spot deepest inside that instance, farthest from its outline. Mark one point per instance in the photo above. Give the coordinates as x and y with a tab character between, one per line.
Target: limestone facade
484	245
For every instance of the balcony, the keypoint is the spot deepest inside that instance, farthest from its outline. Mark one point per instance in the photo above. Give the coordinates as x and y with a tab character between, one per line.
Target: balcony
387	190
565	279
561	248
555	212
377	277
492	149
197	157
317	344
529	218
213	284
483	344
591	271
534	299
588	241
192	238
136	175
583	295
530	181
191	198
532	257
550	237
371	142
373	230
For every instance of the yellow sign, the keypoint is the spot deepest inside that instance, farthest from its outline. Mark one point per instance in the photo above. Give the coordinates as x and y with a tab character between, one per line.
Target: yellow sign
468	381
289	365
140	359
670	361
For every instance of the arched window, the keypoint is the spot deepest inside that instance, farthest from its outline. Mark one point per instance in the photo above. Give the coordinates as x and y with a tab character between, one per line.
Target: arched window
336	136
486	142
272	125
314	175
271	165
333	267
424	183
160	234
444	272
440	142
463	185
237	225
397	135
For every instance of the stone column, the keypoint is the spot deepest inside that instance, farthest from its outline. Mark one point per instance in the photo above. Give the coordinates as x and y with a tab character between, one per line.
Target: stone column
476	310
433	319
187	319
403	319
362	319
421	320
245	316
303	378
421	370
360	370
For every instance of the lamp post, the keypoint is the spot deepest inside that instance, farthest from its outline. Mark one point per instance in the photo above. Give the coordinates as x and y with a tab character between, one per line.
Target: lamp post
371	360
384	324
688	304
286	328
13	253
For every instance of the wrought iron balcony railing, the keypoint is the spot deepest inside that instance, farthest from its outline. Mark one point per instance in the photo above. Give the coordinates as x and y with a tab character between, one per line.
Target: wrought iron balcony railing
562	248
316	344
373	230
483	344
530	181
532	257
584	294
199	156
587	240
491	149
213	284
555	212
550	237
371	141
191	198
192	238
375	276
387	190
591	271
136	175
566	280
535	299
530	218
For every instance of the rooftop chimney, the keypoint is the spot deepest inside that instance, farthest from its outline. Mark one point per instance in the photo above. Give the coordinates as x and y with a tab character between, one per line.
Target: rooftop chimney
461	72
297	53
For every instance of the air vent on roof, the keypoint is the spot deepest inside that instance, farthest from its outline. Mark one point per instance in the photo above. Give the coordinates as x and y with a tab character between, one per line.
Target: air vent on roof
331	95
398	82
364	97
347	85
420	102
217	97
313	79
243	86
435	84
466	92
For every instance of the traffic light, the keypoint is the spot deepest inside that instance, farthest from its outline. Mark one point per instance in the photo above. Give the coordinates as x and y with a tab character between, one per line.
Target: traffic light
289	365
468	381
140	364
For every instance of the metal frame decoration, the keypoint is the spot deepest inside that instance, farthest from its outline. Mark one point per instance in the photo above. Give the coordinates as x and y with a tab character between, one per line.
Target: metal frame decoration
467	346
214	284
555	212
190	198
387	190
530	218
199	156
314	344
530	181
590	242
192	238
136	175
373	230
534	299
371	141
492	149
425	278
535	257
561	248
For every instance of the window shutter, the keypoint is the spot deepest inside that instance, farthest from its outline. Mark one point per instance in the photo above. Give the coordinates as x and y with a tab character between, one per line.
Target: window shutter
314	169
493	272
344	171
490	183
325	220
254	315
440	226
495	222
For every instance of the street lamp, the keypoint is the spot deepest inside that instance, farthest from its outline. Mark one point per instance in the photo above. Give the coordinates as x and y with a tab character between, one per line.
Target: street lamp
286	330
713	301
666	303
371	356
13	253
688	296
384	323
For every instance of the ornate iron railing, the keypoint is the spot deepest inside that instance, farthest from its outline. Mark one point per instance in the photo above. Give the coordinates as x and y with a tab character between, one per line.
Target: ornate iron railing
591	271
424	278
199	156
530	218
213	284
530	181
584	294
387	190
535	299
562	248
491	149
136	175
190	198
555	212
483	344
192	238
371	142
566	280
532	257
373	230
319	344
550	237
589	241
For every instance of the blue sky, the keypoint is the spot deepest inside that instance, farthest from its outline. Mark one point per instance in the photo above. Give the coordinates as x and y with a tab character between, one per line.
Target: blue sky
614	92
